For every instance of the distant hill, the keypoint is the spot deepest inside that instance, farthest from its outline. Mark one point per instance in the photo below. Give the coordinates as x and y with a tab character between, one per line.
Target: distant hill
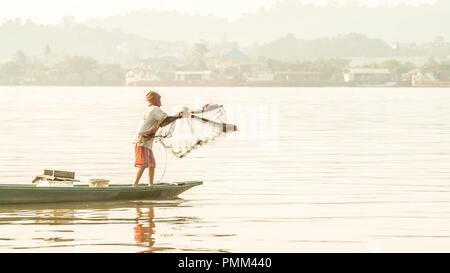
347	46
290	48
401	23
168	25
110	46
287	31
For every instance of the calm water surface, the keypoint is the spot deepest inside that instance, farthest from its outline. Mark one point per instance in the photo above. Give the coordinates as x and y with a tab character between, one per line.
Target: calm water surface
312	170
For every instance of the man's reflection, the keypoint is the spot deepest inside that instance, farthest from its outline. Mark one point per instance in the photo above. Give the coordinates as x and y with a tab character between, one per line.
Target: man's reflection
145	228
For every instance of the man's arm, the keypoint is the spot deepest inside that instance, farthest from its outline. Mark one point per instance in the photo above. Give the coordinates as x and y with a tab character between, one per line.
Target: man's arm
169	120
150	134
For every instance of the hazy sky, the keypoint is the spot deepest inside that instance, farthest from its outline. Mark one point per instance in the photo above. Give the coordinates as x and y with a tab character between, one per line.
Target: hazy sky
51	11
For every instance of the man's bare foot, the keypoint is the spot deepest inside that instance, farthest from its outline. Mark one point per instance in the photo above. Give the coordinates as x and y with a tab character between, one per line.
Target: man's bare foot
150	185
135	185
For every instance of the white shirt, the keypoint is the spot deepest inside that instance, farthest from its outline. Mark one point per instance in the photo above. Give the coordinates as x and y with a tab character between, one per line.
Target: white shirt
152	118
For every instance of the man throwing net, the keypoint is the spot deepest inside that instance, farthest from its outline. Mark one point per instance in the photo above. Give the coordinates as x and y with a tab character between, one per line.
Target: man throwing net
181	137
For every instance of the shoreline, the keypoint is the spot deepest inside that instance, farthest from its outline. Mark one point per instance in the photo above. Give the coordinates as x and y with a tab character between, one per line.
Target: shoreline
236	86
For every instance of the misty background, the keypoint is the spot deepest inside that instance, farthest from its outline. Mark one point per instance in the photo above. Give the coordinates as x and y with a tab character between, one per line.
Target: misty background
50	32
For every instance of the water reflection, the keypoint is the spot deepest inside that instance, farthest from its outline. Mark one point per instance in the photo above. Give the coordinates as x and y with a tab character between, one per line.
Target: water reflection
71	217
145	228
55	216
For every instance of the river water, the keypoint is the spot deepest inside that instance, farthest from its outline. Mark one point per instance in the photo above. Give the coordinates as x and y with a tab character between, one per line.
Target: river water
311	170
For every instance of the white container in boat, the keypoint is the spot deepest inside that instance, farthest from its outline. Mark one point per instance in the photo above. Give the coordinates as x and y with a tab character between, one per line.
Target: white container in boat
54	183
98	183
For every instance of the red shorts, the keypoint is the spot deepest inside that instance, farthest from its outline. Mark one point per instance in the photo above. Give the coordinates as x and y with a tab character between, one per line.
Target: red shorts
144	157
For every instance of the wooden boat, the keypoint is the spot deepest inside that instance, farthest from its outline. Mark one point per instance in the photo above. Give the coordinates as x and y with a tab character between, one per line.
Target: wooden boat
29	193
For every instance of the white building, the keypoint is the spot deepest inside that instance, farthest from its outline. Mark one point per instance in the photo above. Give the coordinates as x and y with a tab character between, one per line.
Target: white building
368	75
141	74
192	75
260	76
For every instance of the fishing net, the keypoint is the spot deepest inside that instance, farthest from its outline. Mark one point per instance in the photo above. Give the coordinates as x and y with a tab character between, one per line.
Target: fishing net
196	128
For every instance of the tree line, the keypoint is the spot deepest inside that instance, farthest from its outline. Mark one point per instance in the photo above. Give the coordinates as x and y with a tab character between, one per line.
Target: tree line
22	69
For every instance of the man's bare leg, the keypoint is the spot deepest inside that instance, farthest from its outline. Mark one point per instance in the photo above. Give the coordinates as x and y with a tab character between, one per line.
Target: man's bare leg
138	175
151	175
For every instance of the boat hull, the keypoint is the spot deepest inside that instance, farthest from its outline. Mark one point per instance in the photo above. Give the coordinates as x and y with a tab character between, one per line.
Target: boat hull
29	193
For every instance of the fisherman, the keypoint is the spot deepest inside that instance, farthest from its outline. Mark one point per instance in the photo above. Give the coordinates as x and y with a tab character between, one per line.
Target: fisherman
152	119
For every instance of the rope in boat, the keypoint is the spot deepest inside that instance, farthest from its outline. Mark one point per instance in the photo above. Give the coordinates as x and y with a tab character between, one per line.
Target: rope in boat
165	164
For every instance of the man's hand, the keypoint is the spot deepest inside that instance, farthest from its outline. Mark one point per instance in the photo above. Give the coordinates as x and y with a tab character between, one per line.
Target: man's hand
170	119
148	136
